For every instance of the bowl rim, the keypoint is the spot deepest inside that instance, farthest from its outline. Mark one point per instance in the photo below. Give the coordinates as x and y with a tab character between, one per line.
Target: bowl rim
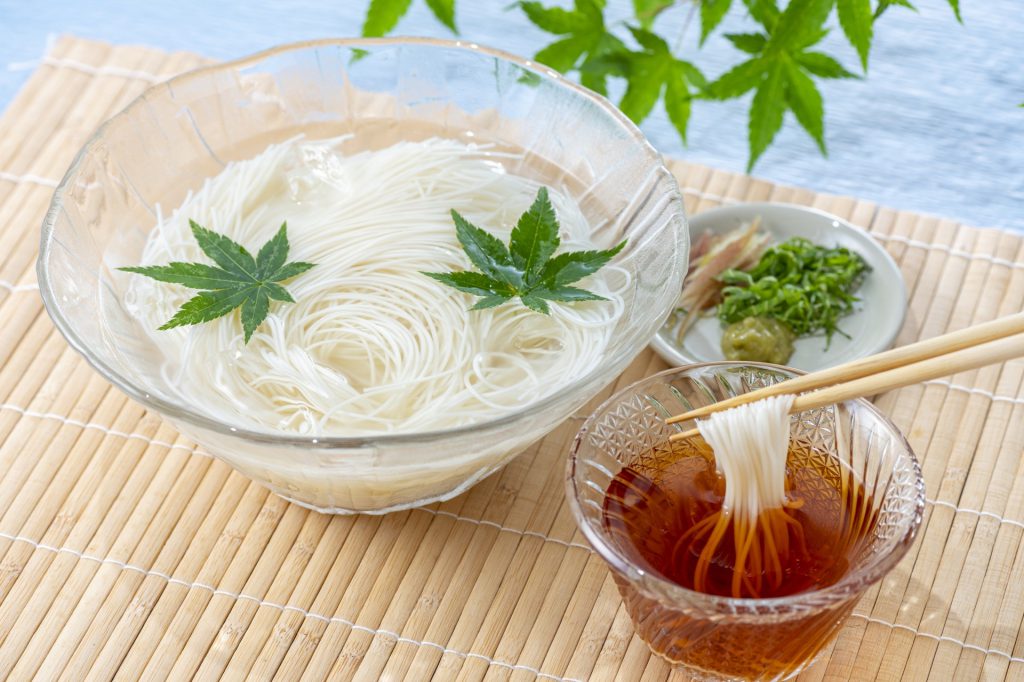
176	411
844	588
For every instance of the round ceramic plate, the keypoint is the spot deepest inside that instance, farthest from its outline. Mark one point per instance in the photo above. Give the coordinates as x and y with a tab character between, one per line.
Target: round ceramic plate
872	327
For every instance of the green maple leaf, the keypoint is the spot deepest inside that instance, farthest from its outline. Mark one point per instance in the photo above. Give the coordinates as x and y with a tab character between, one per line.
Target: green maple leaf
800	25
821	65
955	4
527	268
444	10
383	15
764	12
886	4
804	100
585	41
653	74
237	281
711	14
751	43
646	11
766	111
857	21
780	67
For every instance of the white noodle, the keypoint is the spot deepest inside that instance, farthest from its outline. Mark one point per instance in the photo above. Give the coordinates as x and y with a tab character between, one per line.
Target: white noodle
751	443
371	345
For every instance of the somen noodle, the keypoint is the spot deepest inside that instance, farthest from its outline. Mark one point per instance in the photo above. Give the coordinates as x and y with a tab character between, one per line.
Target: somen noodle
751	445
371	345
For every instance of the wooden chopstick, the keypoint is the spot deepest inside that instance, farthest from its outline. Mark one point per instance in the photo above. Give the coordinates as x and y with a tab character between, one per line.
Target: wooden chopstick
897	357
932	368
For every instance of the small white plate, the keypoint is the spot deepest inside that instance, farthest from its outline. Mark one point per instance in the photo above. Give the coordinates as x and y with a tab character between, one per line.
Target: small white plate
872	326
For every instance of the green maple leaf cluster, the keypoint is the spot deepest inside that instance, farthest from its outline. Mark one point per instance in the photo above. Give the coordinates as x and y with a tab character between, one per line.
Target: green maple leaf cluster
527	268
780	66
652	73
237	281
779	70
583	38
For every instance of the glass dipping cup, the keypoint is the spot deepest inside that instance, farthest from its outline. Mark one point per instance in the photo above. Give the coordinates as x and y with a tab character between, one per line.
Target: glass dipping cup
717	637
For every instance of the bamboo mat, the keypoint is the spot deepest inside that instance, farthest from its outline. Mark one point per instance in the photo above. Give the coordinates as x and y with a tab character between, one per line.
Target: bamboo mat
125	553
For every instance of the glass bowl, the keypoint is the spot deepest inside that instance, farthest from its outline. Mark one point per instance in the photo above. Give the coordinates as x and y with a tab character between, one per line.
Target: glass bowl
177	134
717	637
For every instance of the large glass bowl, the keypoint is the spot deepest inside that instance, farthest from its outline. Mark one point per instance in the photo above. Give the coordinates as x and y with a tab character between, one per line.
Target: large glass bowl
721	638
176	135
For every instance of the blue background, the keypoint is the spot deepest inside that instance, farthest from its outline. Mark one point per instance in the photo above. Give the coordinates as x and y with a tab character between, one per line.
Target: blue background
934	128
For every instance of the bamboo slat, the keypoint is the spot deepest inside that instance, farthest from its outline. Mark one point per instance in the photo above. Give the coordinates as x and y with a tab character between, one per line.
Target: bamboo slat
125	553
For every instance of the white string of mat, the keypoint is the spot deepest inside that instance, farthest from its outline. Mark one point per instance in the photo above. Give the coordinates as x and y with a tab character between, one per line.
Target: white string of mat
974	512
29	64
977	391
17	288
503	529
99	427
435	512
280	607
28	178
83	67
194	450
396	637
546	538
940	638
446	514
